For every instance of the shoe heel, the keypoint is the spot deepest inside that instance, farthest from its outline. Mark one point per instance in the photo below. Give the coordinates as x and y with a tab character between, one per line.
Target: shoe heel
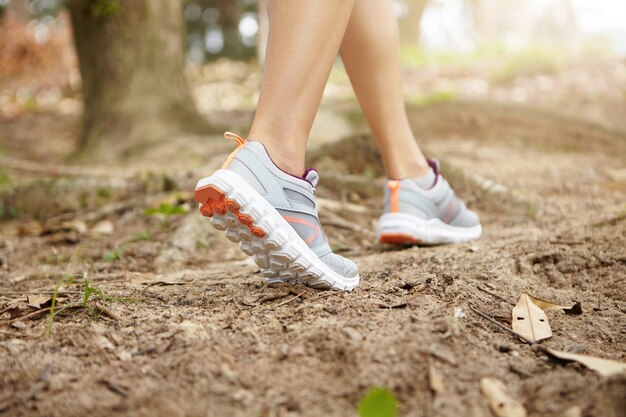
213	201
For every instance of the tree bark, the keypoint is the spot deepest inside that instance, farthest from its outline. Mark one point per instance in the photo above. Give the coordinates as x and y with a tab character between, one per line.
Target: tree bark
131	55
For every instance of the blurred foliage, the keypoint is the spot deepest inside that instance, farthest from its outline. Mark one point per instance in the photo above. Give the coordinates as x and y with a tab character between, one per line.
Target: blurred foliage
221	28
106	8
378	402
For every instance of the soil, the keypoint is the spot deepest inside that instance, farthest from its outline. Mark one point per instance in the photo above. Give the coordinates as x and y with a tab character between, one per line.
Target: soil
184	324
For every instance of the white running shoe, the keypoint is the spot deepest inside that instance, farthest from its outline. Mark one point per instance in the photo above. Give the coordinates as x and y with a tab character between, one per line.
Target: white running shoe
273	217
425	210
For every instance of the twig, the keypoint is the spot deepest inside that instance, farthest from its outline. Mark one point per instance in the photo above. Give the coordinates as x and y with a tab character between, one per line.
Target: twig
291	299
114	388
41	312
498	296
333	219
22	335
567	242
497	267
32	315
500	325
107	312
399	305
42	292
333	205
272	297
55	169
4	310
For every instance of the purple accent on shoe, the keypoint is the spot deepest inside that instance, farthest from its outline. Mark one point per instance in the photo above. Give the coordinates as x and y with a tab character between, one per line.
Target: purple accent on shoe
314	178
434	164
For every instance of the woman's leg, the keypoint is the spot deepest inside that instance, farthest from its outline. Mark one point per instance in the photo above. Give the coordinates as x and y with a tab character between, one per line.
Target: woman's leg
370	52
419	205
304	37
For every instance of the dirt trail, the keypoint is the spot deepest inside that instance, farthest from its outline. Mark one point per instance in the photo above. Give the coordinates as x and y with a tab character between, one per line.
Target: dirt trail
205	336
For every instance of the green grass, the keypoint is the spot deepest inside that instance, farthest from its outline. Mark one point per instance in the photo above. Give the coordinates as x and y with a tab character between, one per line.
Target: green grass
144	234
113	255
88	293
165	209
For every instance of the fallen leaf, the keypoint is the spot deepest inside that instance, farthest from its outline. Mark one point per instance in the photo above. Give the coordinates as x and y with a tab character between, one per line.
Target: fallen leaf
604	367
39	301
530	321
573	411
500	402
575	309
104	227
443	353
18	325
435	380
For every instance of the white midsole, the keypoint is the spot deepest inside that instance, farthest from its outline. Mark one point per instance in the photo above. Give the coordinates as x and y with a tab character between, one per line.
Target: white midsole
432	231
285	243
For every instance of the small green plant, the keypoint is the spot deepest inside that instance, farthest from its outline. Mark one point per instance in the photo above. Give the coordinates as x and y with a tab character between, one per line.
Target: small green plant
68	280
378	402
89	291
166	210
142	235
56	259
106	8
116	254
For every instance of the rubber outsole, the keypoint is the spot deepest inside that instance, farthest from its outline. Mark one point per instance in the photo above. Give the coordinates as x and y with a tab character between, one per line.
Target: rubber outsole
248	219
406	229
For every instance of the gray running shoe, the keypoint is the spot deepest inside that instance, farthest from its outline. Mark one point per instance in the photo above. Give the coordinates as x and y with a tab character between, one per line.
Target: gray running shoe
273	217
418	213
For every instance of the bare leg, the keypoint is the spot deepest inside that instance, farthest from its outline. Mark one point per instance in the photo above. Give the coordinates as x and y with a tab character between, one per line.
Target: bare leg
371	54
304	38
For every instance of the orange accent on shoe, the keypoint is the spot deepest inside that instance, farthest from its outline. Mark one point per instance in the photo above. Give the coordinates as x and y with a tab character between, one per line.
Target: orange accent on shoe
449	211
214	201
315	229
398	239
394	186
240	143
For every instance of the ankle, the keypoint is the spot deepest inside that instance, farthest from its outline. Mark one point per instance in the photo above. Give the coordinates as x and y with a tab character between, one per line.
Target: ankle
288	159
411	167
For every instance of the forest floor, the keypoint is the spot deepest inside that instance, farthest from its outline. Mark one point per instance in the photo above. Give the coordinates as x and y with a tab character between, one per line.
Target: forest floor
180	322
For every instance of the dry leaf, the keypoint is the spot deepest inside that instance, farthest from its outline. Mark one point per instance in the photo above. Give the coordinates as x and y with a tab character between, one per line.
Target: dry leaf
105	227
604	367
435	380
530	321
39	301
573	411
500	402
549	305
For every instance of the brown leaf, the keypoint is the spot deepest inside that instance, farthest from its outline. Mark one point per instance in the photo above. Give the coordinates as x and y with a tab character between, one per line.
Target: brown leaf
104	227
39	301
604	367
500	402
530	321
549	305
435	380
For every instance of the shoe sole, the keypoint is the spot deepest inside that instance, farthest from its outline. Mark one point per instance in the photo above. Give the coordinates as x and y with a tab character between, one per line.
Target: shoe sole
405	229
245	217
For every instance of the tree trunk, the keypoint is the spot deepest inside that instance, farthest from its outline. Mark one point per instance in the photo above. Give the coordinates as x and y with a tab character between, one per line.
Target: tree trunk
131	55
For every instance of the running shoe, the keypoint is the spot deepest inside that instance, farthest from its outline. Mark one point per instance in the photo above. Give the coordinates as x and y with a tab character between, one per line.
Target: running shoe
273	217
425	210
